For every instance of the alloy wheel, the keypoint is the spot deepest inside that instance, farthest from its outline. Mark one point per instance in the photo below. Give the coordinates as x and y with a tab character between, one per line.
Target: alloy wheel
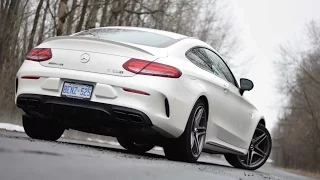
198	131
258	151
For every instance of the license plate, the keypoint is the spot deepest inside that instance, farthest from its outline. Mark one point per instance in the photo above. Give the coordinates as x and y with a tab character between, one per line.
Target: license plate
75	90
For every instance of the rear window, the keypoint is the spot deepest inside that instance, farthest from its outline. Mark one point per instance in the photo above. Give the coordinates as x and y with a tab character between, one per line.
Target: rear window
130	36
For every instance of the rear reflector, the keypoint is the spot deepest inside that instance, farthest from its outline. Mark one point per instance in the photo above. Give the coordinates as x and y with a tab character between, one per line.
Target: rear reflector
30	77
138	66
39	54
136	91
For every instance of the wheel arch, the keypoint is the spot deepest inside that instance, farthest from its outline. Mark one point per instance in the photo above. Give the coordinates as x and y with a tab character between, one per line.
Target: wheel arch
204	98
206	102
262	121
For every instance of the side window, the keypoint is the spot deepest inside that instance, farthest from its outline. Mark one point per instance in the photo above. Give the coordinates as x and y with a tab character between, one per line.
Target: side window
199	57
213	64
219	65
196	58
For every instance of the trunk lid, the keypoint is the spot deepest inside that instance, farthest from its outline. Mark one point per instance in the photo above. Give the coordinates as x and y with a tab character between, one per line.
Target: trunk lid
96	55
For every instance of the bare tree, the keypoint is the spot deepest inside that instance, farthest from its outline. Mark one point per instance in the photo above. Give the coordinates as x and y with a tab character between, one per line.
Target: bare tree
299	71
92	18
43	22
35	23
71	17
62	13
82	16
104	13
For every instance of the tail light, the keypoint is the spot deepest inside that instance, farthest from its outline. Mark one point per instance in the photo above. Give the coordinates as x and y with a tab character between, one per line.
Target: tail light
138	66
30	77
39	54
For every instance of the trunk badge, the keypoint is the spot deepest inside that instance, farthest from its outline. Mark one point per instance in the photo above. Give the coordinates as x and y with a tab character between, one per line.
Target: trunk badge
84	58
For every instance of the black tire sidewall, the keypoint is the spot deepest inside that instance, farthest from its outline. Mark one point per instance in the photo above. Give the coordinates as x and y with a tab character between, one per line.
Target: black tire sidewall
180	149
42	129
129	144
188	130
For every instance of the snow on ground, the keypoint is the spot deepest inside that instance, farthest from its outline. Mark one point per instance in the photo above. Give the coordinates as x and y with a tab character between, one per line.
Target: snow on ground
102	141
113	143
11	127
17	128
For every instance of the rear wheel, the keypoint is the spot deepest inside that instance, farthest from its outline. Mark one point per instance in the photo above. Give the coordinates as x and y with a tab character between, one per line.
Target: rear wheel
189	145
43	129
135	146
258	152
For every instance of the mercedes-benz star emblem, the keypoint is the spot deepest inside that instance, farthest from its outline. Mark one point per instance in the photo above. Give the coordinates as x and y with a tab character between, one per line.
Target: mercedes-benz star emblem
84	58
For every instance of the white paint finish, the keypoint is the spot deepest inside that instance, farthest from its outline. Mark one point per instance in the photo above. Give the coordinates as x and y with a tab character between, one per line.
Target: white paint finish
103	57
229	112
105	91
51	84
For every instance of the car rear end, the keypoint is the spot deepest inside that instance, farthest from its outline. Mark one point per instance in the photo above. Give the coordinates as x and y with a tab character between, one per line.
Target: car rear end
96	83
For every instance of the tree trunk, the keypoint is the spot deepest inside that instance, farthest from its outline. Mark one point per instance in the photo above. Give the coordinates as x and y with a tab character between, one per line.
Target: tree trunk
92	19
115	9
82	16
104	14
70	17
34	27
25	37
128	18
43	23
62	14
5	30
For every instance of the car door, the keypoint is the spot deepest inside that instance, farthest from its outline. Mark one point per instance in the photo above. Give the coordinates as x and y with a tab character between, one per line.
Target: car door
216	87
233	129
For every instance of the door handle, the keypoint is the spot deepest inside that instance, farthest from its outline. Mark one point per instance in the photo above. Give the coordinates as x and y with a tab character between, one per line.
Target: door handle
226	89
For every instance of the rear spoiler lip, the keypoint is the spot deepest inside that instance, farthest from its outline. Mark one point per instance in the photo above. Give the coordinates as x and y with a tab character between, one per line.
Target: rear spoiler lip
99	40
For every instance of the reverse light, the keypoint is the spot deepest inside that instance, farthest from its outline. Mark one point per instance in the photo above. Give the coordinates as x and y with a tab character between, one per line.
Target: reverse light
39	54
138	66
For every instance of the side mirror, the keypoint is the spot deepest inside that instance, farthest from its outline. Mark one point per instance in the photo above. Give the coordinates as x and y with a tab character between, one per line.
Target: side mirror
245	85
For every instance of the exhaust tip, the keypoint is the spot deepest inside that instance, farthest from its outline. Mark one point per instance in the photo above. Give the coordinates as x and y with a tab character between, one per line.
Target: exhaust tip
135	118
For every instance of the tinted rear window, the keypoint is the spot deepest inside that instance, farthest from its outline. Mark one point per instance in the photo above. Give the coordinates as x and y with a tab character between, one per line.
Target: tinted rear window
130	36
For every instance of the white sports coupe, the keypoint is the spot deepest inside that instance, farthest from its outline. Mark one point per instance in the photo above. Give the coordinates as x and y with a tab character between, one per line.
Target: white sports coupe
145	87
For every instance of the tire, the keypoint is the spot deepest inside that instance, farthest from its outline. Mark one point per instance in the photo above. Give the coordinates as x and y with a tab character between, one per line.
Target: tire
131	146
181	149
42	129
264	145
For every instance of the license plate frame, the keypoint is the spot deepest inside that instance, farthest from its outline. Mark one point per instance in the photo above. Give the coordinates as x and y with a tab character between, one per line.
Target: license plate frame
78	90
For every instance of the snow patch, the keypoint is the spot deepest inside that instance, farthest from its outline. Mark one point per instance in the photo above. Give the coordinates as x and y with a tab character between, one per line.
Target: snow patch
102	141
158	148
11	127
113	143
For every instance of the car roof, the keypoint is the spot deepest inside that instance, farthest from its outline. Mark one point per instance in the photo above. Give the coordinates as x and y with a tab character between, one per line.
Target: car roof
162	32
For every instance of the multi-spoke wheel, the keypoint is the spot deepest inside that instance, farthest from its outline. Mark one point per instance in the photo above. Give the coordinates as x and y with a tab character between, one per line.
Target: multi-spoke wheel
189	145
197	135
258	152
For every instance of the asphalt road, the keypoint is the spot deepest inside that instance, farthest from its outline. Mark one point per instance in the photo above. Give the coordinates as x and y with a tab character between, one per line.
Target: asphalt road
27	159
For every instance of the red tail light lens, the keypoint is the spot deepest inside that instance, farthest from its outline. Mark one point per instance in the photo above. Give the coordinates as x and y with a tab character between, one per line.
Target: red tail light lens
30	77
138	66
39	54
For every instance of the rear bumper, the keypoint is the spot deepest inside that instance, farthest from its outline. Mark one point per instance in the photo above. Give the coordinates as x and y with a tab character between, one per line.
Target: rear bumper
81	112
167	107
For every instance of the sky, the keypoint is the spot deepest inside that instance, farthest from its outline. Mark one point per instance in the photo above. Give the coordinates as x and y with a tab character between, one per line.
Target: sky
262	25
